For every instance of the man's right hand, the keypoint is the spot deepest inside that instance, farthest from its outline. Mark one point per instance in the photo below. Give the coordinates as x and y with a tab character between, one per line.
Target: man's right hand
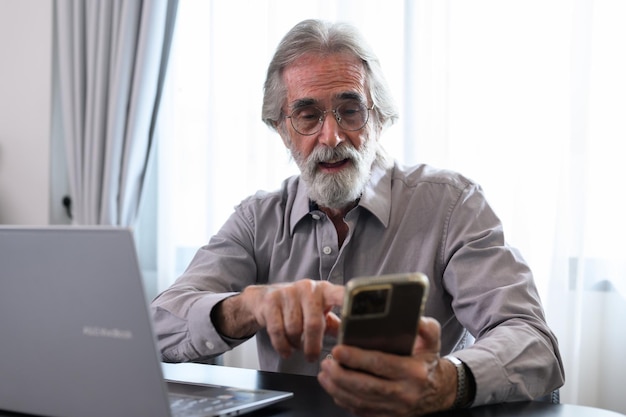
296	315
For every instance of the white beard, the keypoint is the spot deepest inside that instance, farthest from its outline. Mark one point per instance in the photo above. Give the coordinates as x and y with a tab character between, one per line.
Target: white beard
336	191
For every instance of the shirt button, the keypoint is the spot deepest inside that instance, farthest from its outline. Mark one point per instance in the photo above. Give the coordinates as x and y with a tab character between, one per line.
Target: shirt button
209	345
327	250
315	216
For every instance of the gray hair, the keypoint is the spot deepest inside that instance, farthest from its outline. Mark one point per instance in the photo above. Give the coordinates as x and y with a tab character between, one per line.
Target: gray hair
322	37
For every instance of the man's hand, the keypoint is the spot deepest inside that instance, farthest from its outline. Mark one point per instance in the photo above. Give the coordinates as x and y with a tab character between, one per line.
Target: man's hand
370	383
296	315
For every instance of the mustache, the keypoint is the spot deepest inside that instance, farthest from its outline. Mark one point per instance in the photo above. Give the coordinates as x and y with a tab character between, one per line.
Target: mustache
325	154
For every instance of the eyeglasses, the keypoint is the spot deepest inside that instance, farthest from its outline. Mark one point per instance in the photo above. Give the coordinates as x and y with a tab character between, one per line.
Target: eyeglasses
350	115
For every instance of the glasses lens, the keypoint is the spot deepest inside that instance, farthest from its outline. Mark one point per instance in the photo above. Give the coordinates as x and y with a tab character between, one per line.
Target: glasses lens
352	115
306	120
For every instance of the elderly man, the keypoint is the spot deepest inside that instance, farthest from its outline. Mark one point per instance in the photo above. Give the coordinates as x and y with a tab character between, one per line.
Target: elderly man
277	267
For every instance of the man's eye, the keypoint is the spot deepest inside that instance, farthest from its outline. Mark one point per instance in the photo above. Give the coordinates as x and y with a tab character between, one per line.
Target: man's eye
308	114
350	108
351	111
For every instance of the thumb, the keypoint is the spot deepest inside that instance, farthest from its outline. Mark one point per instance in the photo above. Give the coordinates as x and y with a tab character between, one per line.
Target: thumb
429	336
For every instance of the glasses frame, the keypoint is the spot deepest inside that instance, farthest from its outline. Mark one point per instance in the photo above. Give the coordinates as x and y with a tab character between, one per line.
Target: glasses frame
322	119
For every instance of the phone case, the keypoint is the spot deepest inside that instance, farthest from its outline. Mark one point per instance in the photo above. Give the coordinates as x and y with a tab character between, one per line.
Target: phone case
382	312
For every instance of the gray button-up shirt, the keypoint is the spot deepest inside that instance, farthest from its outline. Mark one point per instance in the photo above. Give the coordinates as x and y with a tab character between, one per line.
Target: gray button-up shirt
408	219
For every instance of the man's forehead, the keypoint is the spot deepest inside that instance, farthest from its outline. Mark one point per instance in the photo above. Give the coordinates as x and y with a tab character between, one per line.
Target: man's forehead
317	78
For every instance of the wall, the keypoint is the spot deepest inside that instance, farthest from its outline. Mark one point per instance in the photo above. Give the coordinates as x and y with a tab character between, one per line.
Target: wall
25	104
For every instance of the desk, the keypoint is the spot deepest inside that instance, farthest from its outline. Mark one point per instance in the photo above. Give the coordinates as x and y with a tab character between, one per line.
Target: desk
310	400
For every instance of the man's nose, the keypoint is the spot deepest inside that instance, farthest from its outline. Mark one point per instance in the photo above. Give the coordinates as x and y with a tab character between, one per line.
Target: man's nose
330	134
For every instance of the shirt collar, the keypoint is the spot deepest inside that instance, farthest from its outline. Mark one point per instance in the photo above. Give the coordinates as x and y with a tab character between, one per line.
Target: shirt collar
376	198
377	194
301	205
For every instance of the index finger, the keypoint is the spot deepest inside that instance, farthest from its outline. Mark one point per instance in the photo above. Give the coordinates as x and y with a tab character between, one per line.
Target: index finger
323	297
333	295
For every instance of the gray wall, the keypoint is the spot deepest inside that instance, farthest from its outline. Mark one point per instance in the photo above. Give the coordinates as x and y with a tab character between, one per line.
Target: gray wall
25	104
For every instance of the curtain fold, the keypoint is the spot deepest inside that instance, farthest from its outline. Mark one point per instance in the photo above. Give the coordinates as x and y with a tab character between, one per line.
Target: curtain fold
112	57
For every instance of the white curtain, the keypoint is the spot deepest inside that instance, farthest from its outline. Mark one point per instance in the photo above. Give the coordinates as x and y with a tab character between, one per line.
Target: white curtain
111	59
527	97
587	288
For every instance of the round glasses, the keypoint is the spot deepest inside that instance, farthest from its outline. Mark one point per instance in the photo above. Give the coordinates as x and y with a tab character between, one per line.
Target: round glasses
350	115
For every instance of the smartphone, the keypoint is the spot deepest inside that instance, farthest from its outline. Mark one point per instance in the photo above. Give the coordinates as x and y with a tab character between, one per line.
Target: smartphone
382	312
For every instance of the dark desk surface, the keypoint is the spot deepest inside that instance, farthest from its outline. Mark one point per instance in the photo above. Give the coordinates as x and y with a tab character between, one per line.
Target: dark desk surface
310	400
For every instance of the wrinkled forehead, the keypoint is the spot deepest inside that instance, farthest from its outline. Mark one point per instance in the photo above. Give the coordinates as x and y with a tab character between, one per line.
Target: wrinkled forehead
325	79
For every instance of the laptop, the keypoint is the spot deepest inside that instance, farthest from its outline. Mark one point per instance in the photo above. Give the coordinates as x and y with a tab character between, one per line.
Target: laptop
76	337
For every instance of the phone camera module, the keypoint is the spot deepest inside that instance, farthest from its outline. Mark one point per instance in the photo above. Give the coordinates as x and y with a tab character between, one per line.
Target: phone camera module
370	302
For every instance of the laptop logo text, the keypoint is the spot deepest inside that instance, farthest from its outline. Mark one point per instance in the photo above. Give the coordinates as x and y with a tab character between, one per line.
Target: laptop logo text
97	331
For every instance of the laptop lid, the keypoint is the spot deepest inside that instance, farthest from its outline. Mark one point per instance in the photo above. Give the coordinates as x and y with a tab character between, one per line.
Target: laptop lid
76	338
76	334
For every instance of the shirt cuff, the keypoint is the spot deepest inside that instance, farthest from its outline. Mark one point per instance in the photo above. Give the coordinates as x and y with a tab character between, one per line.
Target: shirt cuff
205	339
492	384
